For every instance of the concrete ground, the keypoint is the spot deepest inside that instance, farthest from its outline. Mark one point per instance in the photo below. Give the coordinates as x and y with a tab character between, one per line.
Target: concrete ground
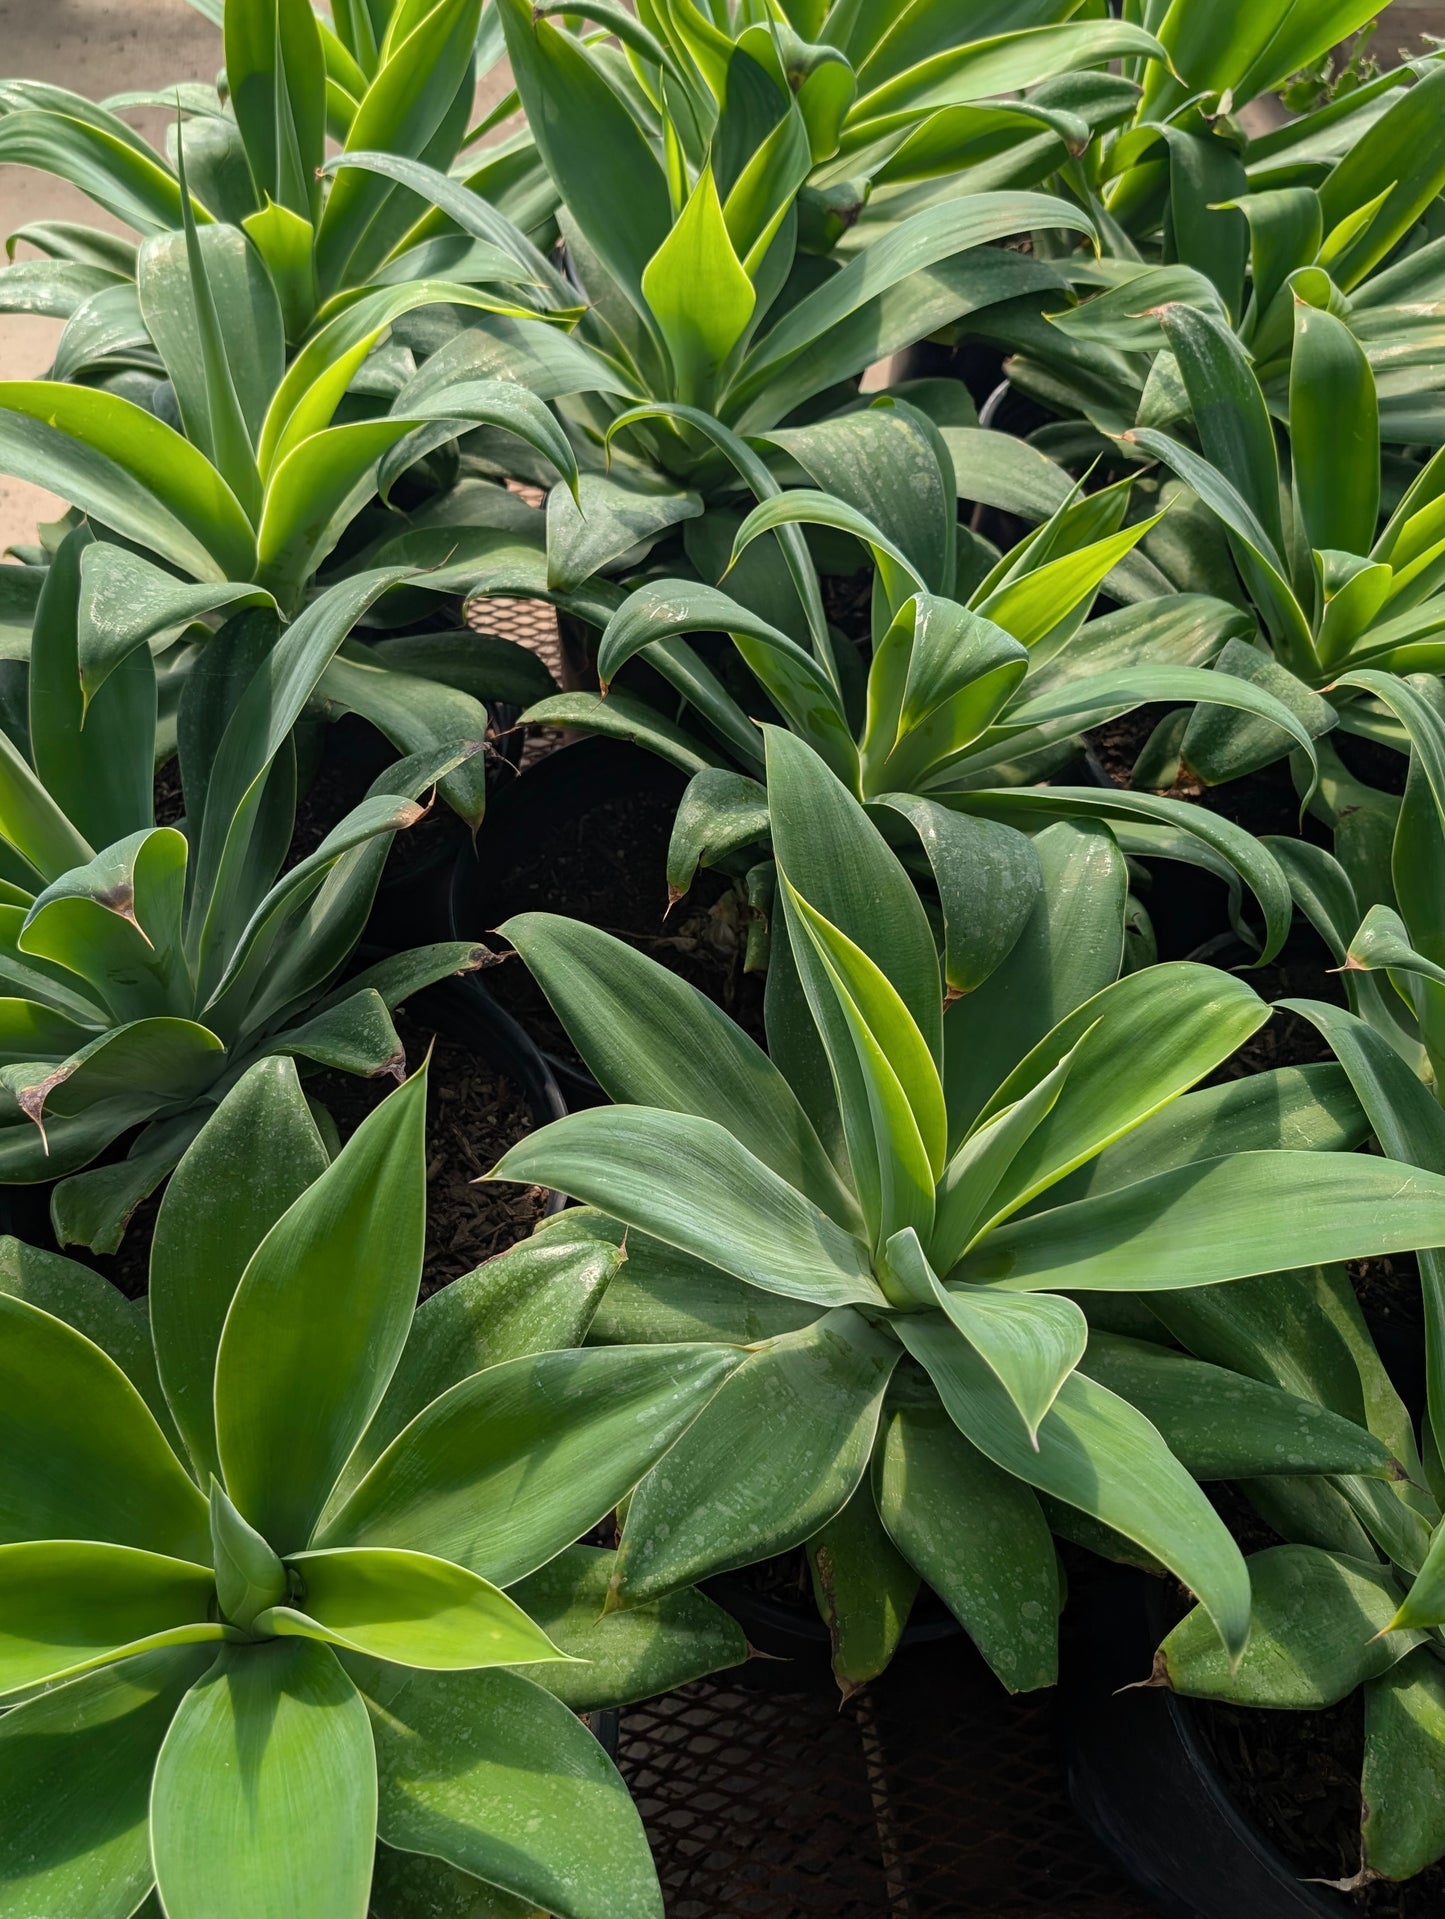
98	48
95	47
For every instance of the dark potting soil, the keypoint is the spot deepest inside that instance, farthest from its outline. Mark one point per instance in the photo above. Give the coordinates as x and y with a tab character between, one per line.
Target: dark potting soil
607	866
1378	766
1296	1777
474	1114
1261	802
1302	970
848	602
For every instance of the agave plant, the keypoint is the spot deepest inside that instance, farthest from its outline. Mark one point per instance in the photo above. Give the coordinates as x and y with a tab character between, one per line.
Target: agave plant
897	1209
253	1639
691	251
147	965
962	705
903	102
1355	1597
228	402
1332	590
398	79
1191	207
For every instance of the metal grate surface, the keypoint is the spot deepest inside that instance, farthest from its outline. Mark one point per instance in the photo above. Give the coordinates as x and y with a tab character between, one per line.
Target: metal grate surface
929	1796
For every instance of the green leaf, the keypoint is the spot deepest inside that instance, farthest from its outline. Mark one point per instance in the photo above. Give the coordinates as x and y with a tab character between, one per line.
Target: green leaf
941	677
485	1771
133	472
1219	1220
95	758
285	243
1409	1125
500	404
804	507
625	1656
887	1020
622	717
249	1576
919	242
1253	547
988	882
1300	1108
606	520
1143	823
264	1802
1071	947
276	74
863	1587
839	862
425	75
662	1296
1334	429
84	1456
720	815
508	1467
313	493
1222	1425
896	79
1094	1452
797	684
1404	1763
409	1608
319	1320
69	1606
699	333
1135	1047
98	153
574	114
887	462
116	922
126	601
1031	1353
1396	157
255	731
976	1534
538	1297
1318	1627
1106	692
651	1039
75	1777
674	1176
1033	607
414	1885
981	1164
1230	415
772	1457
89	1305
254	1157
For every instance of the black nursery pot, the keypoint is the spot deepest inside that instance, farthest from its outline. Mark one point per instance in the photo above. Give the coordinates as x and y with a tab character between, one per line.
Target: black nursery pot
465	1011
586	778
1141	1777
795	1642
536	852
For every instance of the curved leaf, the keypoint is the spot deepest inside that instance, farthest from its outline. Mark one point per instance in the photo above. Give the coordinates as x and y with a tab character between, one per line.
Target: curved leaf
264	1802
84	1458
257	1154
512	1465
409	1608
485	1771
674	1176
67	1606
319	1320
